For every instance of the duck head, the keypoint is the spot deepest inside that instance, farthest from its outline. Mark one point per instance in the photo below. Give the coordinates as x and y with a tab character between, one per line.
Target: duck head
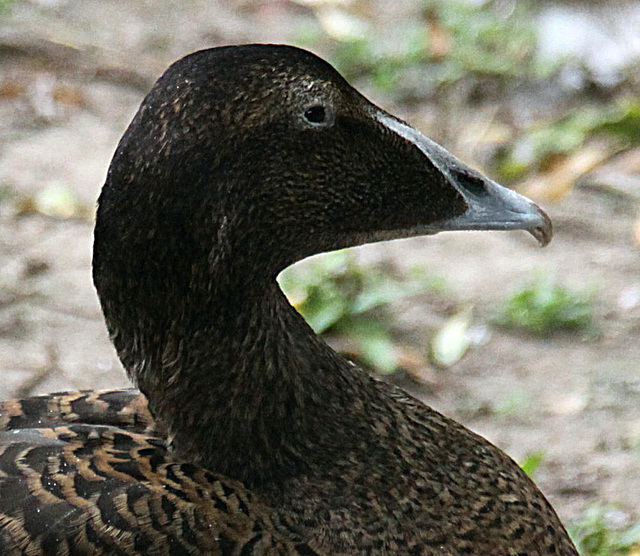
240	161
253	157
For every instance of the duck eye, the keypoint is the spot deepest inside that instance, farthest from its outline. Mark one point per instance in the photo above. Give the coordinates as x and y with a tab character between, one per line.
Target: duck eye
317	115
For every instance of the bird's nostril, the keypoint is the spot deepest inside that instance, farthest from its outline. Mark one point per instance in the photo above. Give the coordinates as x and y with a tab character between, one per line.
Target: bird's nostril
472	184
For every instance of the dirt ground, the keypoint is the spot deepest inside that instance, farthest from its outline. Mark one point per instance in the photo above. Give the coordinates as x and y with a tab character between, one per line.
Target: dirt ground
71	76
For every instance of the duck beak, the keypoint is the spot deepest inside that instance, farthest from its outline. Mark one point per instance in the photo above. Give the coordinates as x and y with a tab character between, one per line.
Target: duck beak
489	205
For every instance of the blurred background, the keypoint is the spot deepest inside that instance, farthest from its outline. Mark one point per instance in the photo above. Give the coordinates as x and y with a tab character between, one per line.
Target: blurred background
537	350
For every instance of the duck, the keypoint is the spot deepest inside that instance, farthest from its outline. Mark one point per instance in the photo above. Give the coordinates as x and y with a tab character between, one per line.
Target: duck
246	433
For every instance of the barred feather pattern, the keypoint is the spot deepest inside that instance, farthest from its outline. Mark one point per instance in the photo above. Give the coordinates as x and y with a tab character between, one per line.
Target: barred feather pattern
82	473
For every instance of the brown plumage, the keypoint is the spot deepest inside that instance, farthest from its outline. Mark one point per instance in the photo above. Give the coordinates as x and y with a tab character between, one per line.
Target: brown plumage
84	473
240	161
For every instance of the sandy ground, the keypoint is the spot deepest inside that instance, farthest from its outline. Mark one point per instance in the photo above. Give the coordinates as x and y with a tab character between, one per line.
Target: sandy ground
71	76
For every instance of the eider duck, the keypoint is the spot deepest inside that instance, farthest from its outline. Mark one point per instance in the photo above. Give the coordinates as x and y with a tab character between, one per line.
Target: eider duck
258	438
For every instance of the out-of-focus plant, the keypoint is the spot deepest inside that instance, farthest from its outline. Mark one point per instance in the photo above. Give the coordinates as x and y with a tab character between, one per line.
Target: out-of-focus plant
545	307
622	121
6	194
340	298
605	531
5	4
532	462
539	147
446	42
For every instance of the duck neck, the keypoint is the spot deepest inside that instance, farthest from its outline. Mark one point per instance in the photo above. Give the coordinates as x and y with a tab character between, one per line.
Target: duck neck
242	383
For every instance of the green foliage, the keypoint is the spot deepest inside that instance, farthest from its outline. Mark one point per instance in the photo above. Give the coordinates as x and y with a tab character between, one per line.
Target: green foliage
605	531
385	69
485	39
6	194
546	307
4	4
338	297
622	120
569	133
532	462
453	40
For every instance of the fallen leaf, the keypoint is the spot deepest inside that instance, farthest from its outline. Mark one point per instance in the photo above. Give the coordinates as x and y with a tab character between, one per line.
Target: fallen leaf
11	89
413	362
69	96
451	342
569	404
561	175
439	37
341	25
56	200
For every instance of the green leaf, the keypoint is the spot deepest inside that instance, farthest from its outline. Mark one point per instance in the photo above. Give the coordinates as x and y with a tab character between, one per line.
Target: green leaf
337	297
532	462
323	312
545	307
375	344
605	531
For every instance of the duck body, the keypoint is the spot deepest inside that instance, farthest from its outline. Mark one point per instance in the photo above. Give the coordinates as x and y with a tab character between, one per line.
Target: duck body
240	161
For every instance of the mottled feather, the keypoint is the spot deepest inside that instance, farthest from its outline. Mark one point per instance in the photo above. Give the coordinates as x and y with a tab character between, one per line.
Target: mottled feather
99	489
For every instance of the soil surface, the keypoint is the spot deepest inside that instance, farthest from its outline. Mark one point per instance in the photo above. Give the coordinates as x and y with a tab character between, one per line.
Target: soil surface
71	76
